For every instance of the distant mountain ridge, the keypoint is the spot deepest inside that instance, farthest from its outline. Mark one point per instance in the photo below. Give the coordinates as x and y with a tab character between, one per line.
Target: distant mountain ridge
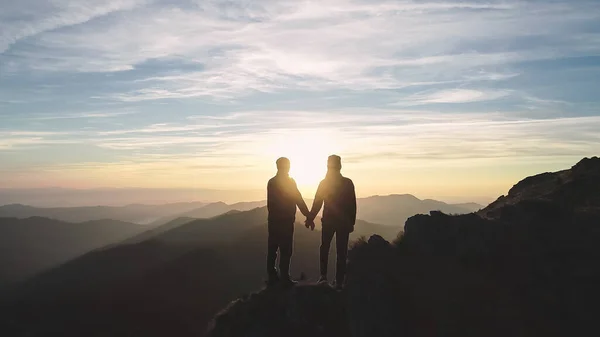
210	210
387	210
65	197
220	228
395	209
392	210
141	214
218	208
30	246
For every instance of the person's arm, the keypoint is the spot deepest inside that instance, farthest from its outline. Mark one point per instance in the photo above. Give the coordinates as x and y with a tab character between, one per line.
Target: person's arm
352	202
317	203
300	201
270	197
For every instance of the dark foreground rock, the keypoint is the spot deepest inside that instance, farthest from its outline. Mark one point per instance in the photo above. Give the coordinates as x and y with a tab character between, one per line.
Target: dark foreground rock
304	310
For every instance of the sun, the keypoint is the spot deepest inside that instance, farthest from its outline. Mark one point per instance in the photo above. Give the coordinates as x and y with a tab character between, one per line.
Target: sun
308	152
308	168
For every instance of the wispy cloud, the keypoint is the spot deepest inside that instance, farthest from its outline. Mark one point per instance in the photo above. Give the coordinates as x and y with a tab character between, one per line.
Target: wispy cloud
84	115
23	142
389	130
26	18
179	156
271	46
454	96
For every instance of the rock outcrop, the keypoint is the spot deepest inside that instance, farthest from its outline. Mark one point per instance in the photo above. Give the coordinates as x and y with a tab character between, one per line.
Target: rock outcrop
304	310
575	189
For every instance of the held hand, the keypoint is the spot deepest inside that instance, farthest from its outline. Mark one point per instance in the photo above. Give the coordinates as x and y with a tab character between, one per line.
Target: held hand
310	224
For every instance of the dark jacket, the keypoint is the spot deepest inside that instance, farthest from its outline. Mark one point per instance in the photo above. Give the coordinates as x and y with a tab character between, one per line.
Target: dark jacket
282	198
338	195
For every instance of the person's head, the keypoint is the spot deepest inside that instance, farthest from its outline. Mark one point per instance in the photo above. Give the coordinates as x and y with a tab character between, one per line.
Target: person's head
334	163
283	165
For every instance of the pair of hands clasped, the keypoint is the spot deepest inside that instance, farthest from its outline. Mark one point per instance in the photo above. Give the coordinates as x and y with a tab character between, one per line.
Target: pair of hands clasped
310	223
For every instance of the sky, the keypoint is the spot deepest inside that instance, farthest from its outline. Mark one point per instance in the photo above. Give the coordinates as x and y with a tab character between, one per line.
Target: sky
446	99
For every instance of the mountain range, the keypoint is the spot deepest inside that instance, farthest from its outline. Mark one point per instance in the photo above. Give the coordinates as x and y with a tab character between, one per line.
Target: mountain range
68	197
179	272
387	210
211	210
29	246
394	209
141	214
55	235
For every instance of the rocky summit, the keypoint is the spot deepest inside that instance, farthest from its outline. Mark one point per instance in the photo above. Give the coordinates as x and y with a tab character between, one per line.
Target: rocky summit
575	189
304	310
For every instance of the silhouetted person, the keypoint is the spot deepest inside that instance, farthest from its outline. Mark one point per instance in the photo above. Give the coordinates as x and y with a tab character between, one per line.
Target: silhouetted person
282	198
339	215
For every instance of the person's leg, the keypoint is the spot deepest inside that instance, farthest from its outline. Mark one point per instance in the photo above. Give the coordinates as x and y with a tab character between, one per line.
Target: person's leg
272	247
341	239
286	247
326	237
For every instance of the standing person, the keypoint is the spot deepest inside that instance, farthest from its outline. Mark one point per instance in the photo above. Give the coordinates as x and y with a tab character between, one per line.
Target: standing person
282	198
339	215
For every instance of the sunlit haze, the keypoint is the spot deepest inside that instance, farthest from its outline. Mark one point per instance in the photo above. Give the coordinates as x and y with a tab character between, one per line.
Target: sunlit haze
308	151
451	100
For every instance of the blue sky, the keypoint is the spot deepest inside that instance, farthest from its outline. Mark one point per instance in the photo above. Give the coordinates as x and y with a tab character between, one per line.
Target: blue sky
436	98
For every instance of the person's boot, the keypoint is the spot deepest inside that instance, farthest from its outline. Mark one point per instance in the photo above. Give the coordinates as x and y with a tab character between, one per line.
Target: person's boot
322	279
273	280
287	282
339	286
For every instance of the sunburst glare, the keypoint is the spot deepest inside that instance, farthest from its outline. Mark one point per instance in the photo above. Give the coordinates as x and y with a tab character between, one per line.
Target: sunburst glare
308	152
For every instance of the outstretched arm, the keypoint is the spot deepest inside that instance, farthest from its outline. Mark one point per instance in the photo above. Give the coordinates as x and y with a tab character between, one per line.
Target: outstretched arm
317	203
270	197
352	203
300	201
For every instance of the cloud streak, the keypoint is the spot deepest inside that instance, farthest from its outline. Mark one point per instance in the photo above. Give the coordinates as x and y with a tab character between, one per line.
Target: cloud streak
85	115
454	96
23	19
